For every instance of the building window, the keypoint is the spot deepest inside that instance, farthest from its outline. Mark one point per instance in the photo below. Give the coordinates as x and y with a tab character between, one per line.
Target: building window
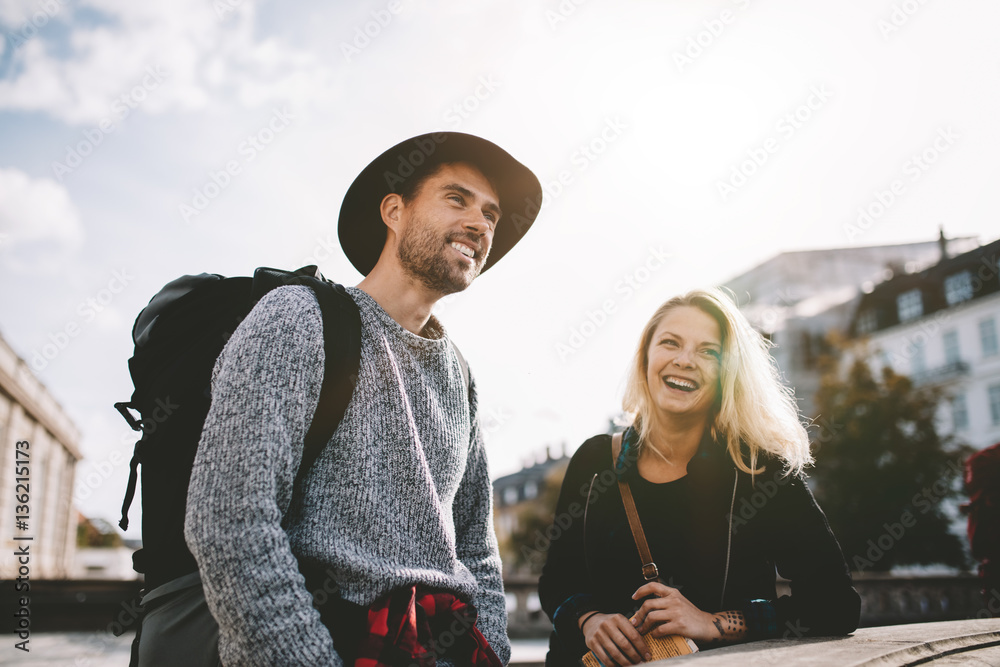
995	404
530	490
958	288
510	495
988	336
918	364
959	413
909	305
867	321
951	355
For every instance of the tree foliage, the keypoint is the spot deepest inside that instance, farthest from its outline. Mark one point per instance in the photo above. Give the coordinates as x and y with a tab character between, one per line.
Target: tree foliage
97	533
883	471
527	548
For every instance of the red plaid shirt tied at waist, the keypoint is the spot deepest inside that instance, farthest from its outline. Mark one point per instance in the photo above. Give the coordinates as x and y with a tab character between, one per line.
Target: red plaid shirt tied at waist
417	625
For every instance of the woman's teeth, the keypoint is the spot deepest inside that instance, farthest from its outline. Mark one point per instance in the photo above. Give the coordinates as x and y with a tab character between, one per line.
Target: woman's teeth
680	383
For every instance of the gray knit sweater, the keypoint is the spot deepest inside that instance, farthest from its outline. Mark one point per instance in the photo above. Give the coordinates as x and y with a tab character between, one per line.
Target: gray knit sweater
401	494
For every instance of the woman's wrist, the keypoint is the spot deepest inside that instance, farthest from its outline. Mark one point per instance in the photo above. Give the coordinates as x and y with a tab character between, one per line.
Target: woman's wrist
586	616
730	627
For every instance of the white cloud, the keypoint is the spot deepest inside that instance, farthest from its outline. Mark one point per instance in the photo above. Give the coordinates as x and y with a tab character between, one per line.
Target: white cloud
211	54
39	225
14	12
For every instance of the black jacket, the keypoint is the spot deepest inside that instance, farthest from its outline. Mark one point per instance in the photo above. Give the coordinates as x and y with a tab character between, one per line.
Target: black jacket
720	548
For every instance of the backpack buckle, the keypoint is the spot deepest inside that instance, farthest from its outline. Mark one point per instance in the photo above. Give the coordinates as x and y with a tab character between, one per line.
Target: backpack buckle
649	572
123	409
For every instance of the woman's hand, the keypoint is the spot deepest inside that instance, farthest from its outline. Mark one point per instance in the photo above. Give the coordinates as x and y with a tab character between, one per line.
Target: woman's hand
670	613
613	639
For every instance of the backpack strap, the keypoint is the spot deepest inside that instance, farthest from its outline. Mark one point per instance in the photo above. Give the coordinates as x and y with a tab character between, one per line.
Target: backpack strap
342	351
341	348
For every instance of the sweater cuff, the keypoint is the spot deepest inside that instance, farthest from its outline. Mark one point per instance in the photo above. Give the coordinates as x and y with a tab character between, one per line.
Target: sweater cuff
566	619
762	619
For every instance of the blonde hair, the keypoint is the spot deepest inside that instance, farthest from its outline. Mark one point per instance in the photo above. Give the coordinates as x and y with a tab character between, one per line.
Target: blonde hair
753	408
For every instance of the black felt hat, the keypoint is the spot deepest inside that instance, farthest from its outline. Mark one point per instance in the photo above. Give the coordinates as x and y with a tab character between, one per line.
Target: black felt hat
361	229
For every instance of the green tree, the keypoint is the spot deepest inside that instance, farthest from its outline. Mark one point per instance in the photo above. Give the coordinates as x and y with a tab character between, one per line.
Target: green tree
883	471
97	533
527	548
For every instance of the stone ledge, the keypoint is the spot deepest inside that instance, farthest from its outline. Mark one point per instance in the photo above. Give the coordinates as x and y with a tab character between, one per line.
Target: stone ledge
895	645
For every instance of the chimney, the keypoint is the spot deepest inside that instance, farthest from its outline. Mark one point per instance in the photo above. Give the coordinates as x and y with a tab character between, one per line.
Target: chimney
943	244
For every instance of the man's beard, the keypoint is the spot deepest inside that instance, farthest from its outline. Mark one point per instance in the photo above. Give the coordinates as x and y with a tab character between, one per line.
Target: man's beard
422	254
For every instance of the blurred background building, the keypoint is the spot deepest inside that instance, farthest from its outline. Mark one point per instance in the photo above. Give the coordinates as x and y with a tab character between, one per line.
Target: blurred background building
798	298
101	552
523	509
939	327
29	412
524	501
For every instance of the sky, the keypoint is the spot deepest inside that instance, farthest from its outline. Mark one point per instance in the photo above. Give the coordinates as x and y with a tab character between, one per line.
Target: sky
679	144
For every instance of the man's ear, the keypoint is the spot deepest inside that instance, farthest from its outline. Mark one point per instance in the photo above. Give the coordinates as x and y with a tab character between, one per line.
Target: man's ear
391	209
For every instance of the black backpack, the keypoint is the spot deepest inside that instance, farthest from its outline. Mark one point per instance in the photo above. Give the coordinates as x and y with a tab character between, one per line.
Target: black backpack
178	337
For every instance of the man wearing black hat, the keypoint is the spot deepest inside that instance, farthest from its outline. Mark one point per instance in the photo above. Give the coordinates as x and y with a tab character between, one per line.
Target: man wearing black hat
396	509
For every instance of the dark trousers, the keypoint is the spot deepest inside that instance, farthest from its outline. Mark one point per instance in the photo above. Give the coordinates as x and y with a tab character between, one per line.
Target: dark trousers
177	629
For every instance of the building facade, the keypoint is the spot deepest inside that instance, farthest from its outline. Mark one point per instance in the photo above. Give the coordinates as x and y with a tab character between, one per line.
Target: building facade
528	488
101	552
941	326
798	298
28	413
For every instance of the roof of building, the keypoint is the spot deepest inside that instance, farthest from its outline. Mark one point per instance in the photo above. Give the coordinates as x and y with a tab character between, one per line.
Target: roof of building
879	309
793	275
536	472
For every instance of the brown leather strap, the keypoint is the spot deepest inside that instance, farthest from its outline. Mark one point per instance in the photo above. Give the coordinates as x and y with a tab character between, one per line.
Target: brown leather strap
649	571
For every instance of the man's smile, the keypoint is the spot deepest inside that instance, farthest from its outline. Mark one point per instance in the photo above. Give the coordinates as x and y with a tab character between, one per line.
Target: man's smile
466	250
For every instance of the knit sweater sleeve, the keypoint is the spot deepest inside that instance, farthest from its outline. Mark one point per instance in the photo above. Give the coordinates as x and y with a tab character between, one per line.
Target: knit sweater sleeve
476	542
265	389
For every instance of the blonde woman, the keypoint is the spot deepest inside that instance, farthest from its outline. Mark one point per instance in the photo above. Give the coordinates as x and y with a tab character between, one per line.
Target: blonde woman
713	459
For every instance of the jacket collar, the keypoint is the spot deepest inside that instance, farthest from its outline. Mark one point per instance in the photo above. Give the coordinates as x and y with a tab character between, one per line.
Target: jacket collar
710	461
